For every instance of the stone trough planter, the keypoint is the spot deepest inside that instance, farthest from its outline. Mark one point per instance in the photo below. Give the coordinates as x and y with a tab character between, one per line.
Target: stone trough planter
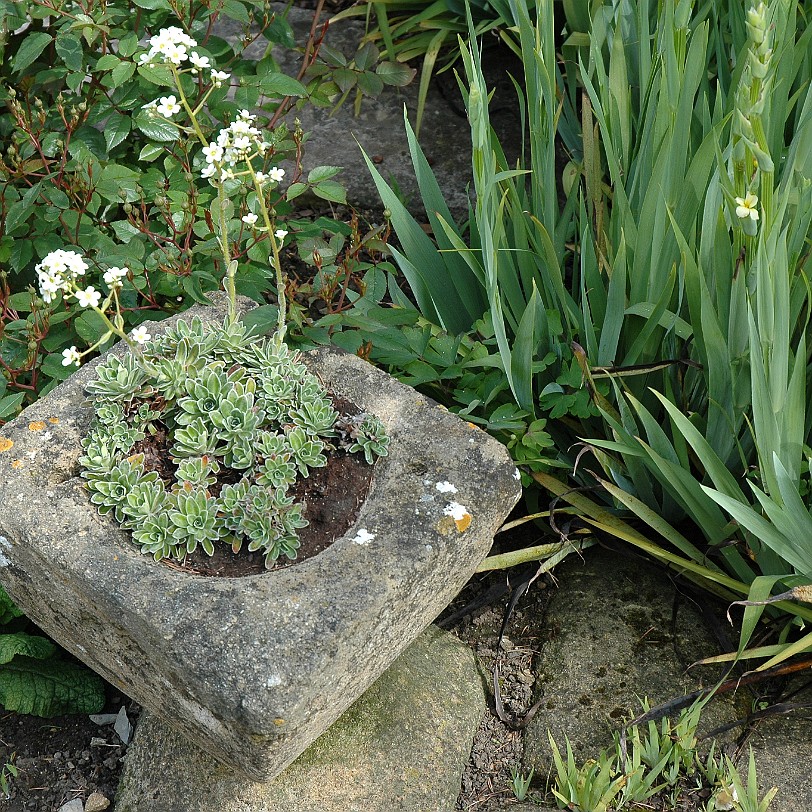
252	669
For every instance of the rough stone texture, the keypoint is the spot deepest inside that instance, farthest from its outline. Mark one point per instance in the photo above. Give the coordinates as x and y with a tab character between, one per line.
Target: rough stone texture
783	750
610	624
445	137
253	669
402	746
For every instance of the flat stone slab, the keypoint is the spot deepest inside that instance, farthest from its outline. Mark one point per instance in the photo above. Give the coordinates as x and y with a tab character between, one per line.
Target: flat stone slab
612	642
403	745
336	138
253	669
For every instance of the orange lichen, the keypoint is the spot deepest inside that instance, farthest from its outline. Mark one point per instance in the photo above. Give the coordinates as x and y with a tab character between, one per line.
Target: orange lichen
462	524
5	444
16	463
53	420
36	425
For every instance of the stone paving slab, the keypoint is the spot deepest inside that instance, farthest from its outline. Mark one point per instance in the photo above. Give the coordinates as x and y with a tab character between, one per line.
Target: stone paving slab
402	746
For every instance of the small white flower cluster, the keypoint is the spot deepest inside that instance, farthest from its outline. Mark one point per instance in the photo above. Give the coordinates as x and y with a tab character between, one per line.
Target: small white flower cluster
174	45
59	271
239	142
113	276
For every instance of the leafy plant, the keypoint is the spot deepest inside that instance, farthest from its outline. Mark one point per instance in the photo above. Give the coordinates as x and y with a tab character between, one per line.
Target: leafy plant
7	772
36	679
240	419
88	166
520	782
236	419
625	310
662	762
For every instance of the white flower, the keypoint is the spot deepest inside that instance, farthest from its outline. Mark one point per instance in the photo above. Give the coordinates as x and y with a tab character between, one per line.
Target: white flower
280	233
242	143
74	263
746	207
208	171
240	127
89	297
276	174
261	177
70	356
199	61
113	276
168	106
176	54
140	335
218	77
213	153
249	219
49	286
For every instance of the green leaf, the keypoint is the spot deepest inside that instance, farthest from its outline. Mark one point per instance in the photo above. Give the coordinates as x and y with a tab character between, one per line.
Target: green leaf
28	645
87	143
295	189
321	173
330	190
70	51
370	84
118	184
157	75
107	62
395	73
33	45
8	609
150	152
122	73
18	214
53	368
128	44
366	56
49	688
280	84
90	327
235	10
262	318
155	128
116	130
10	404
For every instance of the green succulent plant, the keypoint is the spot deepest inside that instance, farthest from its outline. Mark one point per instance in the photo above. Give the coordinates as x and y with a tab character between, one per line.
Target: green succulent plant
202	403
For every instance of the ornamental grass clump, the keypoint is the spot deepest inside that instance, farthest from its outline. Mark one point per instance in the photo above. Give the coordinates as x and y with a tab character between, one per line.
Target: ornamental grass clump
200	435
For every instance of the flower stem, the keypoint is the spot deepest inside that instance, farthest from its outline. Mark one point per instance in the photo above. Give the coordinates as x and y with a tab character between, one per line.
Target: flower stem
281	320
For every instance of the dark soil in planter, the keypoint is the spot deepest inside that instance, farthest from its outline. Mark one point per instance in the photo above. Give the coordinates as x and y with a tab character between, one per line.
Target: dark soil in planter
332	497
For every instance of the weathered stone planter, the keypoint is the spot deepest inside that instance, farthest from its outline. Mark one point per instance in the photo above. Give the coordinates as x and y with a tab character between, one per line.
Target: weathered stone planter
252	669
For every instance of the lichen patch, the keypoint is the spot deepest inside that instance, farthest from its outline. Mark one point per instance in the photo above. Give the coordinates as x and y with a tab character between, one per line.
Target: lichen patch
5	444
53	420
36	425
459	513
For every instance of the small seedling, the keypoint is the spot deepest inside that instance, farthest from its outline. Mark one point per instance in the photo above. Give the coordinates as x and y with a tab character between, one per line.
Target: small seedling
520	782
7	772
654	761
